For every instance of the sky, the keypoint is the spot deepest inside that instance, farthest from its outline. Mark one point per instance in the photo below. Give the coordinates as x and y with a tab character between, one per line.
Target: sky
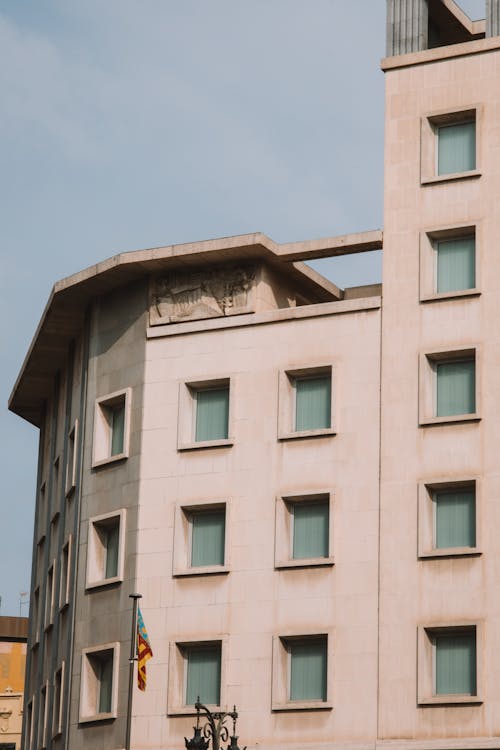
129	124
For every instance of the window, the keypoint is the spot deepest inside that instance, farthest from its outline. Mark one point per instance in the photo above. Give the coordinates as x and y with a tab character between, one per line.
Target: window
455	264
35	618
456	147
196	669
306	404
455	663
49	596
449	145
448	263
203	674
71	460
42	719
200	539
212	414
99	682
455	387
42	512
58	701
29	725
303	530
208	537
447	519
65	573
205	414
300	672
105	549
448	386
449	671
455	514
313	403
111	427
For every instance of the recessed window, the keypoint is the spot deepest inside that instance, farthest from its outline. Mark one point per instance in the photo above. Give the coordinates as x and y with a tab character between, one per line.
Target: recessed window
200	539
208	537
205	414
203	674
455	662
303	530
455	518
450	145
448	667
455	387
105	549
58	701
98	685
455	264
71	460
111	427
448	387
49	596
308	660
456	147
196	669
212	414
35	617
313	402
305	403
300	672
310	529
447	518
43	716
65	573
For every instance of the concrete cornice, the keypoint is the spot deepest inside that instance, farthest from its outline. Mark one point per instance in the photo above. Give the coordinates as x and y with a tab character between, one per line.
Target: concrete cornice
436	54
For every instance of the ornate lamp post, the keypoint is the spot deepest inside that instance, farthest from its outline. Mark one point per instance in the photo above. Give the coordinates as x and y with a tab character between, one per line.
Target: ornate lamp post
214	730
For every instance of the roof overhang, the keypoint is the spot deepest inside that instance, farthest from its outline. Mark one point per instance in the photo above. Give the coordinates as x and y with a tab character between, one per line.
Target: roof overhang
64	314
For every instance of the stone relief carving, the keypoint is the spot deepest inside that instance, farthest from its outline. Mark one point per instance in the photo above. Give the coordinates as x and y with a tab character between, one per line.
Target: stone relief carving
194	295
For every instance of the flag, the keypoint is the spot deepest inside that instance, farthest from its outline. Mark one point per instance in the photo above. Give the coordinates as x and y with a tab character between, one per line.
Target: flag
143	651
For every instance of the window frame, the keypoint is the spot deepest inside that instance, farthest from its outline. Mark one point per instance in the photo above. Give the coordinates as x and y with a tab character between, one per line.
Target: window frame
426	691
186	434
428	261
102	432
427	402
183	538
429	134
43	721
287	401
96	567
88	702
426	517
281	672
177	674
283	548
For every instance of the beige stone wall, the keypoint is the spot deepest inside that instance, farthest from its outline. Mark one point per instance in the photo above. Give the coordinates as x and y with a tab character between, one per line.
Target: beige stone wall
253	602
418	592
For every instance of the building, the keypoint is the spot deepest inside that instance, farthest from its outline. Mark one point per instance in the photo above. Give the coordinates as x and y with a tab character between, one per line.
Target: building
300	480
13	638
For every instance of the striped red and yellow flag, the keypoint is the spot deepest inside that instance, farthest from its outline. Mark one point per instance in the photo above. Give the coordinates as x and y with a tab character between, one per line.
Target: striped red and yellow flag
143	651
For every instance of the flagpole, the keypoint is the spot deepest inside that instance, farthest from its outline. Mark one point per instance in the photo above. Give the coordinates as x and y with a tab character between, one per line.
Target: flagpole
132	659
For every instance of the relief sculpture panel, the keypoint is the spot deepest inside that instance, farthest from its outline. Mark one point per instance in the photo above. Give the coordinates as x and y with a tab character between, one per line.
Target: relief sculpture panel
205	293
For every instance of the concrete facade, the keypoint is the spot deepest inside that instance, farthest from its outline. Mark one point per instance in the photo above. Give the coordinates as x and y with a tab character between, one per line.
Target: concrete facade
142	334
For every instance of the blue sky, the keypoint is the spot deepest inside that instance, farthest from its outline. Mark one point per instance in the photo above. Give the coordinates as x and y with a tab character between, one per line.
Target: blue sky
137	124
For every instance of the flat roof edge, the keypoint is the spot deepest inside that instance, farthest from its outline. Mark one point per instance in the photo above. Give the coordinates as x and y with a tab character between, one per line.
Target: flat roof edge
437	54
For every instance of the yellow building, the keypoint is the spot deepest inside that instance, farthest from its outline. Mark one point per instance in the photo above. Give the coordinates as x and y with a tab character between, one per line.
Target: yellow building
13	637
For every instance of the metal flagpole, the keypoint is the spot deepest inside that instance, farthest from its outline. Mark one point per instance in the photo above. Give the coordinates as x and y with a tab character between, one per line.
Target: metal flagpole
132	659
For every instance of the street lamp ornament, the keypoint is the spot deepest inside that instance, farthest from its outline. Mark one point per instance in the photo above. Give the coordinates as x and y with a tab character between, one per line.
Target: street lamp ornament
214	730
